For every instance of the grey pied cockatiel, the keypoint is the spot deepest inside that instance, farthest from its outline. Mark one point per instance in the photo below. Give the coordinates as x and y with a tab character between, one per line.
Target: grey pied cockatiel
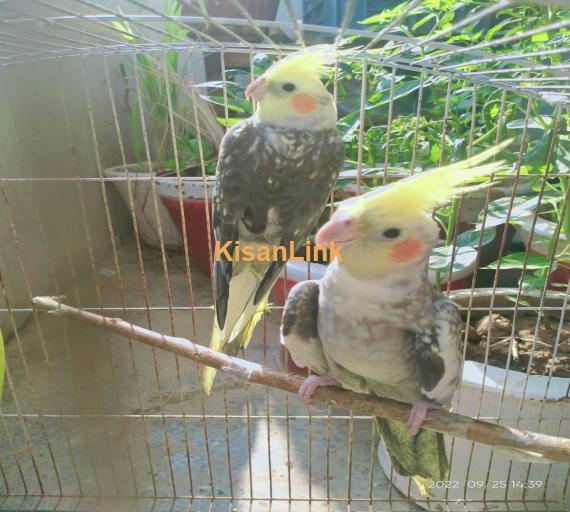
276	171
374	323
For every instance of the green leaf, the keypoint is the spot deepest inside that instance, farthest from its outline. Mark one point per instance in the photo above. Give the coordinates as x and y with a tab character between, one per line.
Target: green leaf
240	106
463	257
424	20
471	238
539	153
516	260
536	124
539	38
217	84
499	26
562	158
401	89
230	122
498	209
533	281
434	153
261	63
125	28
192	148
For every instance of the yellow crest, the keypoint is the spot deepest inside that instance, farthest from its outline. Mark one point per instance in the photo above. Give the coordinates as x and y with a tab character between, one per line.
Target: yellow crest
424	192
311	62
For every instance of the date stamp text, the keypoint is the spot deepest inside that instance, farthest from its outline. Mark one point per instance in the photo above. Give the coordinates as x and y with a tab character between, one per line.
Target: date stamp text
482	484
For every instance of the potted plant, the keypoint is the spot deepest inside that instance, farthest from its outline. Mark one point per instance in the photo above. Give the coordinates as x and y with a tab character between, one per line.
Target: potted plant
195	193
154	85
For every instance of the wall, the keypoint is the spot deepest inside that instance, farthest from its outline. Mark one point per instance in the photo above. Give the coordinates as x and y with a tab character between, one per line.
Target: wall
46	134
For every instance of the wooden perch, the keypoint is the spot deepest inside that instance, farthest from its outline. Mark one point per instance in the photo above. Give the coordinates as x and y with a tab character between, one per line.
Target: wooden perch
553	448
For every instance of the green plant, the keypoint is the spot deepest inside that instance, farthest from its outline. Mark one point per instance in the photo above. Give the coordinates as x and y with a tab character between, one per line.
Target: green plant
553	206
424	138
429	18
154	85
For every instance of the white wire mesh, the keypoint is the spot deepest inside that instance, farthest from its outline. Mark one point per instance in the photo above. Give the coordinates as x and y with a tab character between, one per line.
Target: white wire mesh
86	415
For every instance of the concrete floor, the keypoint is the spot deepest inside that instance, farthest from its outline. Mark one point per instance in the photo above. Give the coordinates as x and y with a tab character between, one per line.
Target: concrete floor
88	413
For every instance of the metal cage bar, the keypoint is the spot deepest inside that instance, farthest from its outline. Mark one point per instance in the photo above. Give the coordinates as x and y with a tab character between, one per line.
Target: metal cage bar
246	446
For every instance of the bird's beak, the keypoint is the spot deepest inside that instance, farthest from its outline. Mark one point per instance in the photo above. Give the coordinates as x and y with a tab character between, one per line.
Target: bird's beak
340	230
257	89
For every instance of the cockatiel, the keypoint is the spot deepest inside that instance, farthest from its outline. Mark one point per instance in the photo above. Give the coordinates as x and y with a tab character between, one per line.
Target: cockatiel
275	173
374	324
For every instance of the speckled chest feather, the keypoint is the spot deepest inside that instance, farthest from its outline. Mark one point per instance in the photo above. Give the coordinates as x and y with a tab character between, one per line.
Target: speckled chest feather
275	179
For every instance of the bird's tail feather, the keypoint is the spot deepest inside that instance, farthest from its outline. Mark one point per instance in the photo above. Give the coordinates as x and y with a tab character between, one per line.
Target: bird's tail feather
216	343
241	339
421	457
242	286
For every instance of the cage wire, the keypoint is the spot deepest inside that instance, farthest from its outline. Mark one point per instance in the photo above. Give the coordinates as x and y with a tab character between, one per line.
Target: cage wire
89	85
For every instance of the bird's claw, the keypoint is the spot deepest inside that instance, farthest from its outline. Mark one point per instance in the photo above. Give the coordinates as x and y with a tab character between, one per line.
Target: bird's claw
418	415
310	385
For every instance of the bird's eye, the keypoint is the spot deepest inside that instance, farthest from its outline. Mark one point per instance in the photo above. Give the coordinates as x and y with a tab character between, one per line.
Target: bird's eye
288	87
391	233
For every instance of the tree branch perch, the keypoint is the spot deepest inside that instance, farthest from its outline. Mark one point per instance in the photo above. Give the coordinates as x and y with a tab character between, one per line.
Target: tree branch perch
553	448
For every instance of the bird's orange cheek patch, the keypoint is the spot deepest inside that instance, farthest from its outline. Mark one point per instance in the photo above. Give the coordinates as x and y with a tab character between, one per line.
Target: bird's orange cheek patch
304	103
406	250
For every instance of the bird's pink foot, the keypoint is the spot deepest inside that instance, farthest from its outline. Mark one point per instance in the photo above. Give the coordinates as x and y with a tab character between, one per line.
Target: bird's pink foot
419	413
311	383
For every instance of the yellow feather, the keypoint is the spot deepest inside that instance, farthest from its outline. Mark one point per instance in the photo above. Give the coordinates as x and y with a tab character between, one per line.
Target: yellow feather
426	191
216	344
241	340
310	63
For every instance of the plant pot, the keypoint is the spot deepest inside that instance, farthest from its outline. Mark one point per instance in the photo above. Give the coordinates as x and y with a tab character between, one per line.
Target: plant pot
145	214
501	480
544	232
195	217
544	398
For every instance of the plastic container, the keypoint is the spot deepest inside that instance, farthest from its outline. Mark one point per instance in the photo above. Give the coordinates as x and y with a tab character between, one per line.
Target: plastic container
488	478
145	213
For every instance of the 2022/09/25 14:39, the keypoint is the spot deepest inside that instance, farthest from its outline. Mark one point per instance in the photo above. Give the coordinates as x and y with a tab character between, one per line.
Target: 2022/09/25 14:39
481	484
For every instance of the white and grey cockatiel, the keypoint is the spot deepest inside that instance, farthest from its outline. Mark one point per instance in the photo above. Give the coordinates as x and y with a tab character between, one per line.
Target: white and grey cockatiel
275	173
374	324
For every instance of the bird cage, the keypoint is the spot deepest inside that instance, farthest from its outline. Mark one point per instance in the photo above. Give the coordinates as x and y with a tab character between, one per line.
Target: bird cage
112	112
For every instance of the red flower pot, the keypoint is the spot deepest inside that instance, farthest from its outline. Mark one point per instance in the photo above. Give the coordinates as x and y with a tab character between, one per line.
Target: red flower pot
195	214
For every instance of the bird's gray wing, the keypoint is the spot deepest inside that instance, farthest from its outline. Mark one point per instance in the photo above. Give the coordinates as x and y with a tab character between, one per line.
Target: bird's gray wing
272	185
299	330
237	164
438	356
